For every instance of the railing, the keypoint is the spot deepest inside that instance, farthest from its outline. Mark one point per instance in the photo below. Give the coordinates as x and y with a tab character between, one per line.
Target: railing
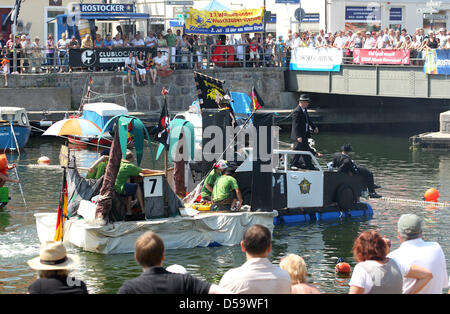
32	60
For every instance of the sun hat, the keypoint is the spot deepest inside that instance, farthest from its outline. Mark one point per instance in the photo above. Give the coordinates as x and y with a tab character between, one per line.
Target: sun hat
221	164
410	225
53	256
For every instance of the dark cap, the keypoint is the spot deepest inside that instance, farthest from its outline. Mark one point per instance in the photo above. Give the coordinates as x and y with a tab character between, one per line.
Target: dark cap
410	225
346	148
304	97
229	171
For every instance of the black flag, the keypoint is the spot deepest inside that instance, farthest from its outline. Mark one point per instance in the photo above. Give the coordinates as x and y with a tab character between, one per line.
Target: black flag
162	132
210	90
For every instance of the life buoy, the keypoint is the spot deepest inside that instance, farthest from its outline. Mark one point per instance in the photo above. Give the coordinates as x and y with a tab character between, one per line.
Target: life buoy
345	197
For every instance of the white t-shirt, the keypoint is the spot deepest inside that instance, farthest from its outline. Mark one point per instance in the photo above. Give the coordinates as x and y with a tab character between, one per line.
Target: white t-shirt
131	62
257	276
139	42
117	42
63	44
428	255
362	279
151	41
160	61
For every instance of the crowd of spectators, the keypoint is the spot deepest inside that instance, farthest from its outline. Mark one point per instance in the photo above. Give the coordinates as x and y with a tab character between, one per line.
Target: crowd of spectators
183	51
417	266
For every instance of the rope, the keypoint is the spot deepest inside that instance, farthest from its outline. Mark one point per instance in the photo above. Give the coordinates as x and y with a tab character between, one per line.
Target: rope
415	202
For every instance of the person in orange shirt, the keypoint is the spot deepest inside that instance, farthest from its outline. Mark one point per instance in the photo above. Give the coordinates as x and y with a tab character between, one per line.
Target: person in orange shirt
4	65
4	167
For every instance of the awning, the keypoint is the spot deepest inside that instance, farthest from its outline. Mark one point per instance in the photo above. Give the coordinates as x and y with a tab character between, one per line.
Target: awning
107	16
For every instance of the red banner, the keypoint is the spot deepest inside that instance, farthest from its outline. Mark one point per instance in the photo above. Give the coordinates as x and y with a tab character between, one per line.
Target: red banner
381	56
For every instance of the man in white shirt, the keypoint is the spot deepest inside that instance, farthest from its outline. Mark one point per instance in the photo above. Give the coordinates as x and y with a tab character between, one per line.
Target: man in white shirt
151	42
257	275
63	45
414	250
340	40
138	41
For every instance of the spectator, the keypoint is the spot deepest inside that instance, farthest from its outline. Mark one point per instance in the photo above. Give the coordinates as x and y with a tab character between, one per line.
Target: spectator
414	250
108	42
442	36
357	41
126	41
151	68
87	42
117	41
331	42
257	275
197	52
254	55
63	57
172	44
162	65
130	67
430	42
140	66
184	50
98	42
319	42
73	44
296	267
152	43
280	51
162	42
4	67
27	49
268	49
50	51
53	265
138	41
375	273
242	43
38	54
149	253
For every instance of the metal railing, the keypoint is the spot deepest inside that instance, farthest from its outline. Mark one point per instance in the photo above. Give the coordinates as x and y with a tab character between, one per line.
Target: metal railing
39	60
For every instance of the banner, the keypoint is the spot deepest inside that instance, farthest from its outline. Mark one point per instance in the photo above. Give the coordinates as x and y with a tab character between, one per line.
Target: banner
102	57
225	22
381	56
437	61
208	89
316	59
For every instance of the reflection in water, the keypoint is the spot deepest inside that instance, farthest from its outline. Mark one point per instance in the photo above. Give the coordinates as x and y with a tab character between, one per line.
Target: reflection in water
402	173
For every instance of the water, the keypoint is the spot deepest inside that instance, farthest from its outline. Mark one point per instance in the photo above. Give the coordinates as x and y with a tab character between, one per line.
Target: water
402	173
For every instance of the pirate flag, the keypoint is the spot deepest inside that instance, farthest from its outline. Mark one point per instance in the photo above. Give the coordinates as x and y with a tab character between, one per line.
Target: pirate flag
210	90
162	131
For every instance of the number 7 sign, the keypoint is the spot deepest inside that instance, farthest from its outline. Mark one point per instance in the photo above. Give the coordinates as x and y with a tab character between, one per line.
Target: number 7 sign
153	186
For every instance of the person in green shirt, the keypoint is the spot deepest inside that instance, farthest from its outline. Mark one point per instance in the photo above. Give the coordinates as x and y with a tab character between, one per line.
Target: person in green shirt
172	43
211	179
129	190
226	194
97	170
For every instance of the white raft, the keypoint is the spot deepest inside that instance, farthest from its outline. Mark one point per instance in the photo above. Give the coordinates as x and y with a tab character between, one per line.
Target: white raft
200	230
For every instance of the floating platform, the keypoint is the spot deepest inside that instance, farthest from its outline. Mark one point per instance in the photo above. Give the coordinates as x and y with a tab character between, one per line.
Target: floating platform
431	140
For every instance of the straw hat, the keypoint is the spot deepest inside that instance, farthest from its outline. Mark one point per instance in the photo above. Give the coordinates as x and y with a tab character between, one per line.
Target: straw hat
53	256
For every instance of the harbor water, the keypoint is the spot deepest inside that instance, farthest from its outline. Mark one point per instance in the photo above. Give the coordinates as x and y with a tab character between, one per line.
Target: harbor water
402	173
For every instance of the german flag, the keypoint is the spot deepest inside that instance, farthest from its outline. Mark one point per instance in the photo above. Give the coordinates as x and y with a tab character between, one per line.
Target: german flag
62	210
257	102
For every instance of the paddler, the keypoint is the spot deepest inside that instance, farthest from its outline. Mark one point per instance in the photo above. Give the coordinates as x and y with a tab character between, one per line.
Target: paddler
98	168
4	167
211	179
226	194
128	190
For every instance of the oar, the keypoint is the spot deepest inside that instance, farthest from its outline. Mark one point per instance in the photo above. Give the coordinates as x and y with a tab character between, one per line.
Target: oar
21	190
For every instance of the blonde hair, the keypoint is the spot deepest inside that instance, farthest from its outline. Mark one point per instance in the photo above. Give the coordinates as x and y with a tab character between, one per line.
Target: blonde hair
296	267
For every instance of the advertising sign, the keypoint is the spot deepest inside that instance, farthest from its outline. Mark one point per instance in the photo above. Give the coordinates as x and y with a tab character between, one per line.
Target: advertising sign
316	59
225	22
381	56
437	61
104	8
362	14
395	15
102	57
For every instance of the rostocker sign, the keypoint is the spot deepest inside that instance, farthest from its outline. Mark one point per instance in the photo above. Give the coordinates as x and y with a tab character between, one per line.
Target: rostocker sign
104	8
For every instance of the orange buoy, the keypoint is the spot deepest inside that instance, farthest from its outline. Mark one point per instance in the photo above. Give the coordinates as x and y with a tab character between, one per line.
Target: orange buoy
342	267
431	195
44	160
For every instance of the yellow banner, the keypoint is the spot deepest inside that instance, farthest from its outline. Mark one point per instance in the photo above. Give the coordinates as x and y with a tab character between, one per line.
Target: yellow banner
225	22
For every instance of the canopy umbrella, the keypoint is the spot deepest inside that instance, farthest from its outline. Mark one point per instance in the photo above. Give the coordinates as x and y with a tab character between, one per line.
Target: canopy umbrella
75	127
215	6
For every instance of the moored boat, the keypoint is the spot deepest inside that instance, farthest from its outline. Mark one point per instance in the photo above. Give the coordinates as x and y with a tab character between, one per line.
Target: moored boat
15	128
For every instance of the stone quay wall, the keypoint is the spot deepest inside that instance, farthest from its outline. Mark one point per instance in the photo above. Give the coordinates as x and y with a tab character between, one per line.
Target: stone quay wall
64	91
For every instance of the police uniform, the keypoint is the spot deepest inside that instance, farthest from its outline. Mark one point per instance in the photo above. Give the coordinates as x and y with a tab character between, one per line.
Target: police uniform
301	128
343	163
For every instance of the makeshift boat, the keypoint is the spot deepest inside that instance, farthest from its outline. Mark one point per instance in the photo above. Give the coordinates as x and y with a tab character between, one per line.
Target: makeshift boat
165	214
15	128
99	113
